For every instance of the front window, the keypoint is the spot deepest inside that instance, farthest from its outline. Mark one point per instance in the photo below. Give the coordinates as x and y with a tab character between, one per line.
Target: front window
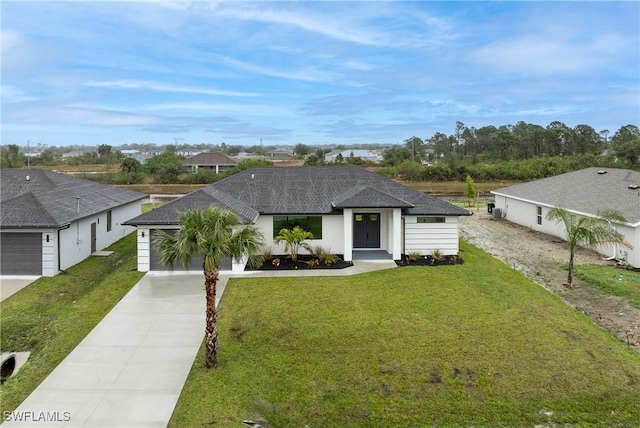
310	223
109	221
432	220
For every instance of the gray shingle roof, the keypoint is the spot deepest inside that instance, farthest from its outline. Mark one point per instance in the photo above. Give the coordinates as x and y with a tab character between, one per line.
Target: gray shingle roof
368	197
49	199
302	190
209	159
584	191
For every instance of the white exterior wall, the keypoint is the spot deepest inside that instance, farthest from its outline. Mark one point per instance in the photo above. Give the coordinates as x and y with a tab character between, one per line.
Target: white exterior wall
50	253
424	238
118	231
144	249
332	234
524	213
634	255
75	241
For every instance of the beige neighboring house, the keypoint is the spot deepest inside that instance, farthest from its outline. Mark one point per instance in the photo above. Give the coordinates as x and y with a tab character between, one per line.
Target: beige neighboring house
217	162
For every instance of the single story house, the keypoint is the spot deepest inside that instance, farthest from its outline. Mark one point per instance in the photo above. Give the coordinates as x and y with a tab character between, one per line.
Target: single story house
280	153
50	221
347	208
582	193
367	155
188	151
217	162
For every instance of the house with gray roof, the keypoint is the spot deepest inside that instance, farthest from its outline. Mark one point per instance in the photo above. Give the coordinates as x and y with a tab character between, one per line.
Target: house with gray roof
582	193
217	162
50	221
366	155
349	211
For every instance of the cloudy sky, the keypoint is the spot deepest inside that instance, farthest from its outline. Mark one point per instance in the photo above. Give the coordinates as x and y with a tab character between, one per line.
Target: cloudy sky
325	72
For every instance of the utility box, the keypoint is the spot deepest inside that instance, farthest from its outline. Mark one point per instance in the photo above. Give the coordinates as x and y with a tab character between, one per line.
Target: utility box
497	213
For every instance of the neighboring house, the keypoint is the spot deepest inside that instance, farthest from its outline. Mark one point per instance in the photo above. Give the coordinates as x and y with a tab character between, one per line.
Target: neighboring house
280	153
137	155
188	151
217	162
366	155
73	153
582	193
347	208
50	221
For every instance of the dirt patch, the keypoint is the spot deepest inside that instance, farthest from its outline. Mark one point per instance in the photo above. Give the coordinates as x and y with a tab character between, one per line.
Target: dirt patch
539	257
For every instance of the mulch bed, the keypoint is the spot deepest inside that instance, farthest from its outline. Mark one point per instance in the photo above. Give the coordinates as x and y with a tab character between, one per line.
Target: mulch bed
429	261
303	262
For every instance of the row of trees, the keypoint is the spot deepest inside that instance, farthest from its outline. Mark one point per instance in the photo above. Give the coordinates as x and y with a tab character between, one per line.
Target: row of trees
517	142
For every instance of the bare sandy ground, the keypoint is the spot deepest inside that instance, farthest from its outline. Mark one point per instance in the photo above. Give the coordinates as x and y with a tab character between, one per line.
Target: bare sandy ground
539	256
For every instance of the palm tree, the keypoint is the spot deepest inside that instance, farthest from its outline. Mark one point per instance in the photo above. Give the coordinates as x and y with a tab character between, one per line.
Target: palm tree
213	234
588	231
294	240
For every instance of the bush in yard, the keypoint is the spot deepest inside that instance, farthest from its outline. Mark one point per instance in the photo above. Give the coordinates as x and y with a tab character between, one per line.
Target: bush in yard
294	240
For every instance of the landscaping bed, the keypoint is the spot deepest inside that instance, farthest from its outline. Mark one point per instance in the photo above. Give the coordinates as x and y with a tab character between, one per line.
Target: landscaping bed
429	260
302	262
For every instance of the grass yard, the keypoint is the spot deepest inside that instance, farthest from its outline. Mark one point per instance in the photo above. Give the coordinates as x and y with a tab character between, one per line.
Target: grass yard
475	344
52	315
607	278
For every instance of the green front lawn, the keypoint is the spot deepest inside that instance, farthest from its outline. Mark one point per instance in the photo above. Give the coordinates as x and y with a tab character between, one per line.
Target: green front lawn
51	316
473	344
610	281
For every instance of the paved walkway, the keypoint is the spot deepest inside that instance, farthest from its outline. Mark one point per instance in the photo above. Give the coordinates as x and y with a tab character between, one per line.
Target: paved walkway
130	369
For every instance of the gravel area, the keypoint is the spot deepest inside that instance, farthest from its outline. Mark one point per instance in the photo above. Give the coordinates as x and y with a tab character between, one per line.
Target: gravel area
539	256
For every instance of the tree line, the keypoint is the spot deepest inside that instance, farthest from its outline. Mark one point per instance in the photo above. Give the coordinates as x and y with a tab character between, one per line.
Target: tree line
518	142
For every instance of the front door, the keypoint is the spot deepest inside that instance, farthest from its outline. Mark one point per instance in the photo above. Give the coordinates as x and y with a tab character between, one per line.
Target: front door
366	230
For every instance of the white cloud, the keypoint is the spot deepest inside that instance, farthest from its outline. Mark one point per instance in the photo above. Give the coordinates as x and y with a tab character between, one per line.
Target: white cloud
309	74
549	53
10	39
162	87
9	94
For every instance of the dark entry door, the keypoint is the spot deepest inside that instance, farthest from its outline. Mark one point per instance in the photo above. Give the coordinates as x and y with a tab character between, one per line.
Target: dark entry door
93	237
366	230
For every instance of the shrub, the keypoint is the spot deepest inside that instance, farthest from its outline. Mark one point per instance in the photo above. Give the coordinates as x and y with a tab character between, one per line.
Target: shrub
294	240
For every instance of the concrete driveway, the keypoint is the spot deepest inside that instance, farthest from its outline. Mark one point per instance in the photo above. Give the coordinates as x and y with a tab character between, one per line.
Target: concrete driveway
130	369
10	285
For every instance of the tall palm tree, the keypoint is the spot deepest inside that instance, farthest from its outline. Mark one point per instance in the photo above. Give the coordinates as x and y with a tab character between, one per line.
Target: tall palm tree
588	231
213	234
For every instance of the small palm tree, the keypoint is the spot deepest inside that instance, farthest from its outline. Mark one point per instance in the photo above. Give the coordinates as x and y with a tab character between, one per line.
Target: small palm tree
213	234
294	240
588	231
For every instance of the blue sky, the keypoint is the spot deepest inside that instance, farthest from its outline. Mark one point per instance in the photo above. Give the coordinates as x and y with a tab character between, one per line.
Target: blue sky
117	72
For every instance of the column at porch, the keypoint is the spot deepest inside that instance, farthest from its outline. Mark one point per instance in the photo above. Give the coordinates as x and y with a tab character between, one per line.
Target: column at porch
396	227
347	216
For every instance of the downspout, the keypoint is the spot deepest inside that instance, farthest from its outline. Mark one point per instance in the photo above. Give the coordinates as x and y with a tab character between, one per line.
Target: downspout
58	245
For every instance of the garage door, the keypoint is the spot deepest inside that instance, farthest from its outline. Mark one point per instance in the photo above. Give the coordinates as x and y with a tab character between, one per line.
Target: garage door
20	253
196	262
